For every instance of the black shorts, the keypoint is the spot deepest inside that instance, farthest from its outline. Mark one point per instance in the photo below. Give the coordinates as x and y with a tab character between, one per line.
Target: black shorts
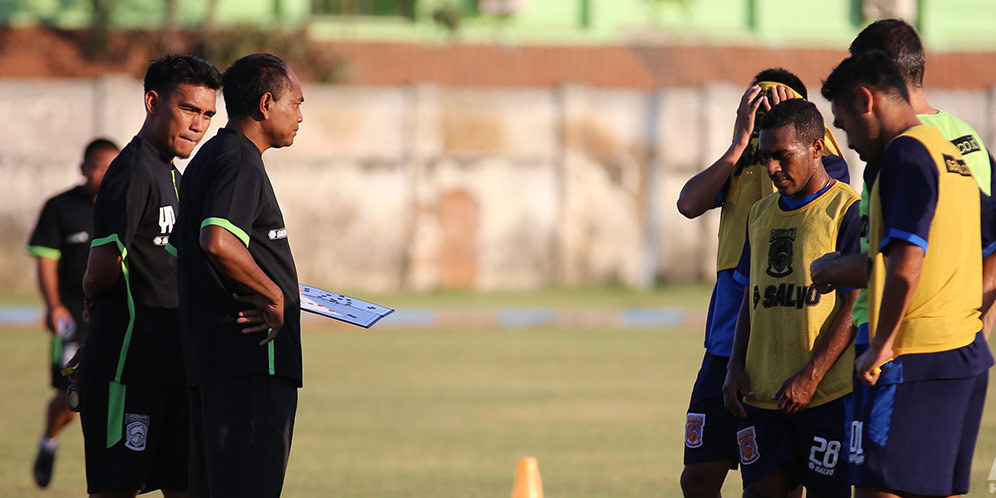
710	430
135	435
241	433
811	444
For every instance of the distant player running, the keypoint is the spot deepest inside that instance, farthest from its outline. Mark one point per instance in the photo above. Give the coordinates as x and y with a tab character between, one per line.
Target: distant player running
792	352
133	401
927	361
61	244
734	183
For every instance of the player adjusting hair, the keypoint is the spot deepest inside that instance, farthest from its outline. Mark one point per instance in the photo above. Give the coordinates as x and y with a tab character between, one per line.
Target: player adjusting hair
251	77
783	76
169	72
801	114
900	41
873	69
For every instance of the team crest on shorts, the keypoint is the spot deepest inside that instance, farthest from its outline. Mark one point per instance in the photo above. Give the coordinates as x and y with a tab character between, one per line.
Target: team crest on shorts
748	446
780	252
694	427
136	431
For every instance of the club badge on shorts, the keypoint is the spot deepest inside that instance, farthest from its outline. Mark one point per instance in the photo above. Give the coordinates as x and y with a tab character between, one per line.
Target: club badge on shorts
694	427
748	446
136	431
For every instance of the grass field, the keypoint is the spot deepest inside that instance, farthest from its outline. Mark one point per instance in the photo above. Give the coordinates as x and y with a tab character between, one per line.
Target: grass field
397	413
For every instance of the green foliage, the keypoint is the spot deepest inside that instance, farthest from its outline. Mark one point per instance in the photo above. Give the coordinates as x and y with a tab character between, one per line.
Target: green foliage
222	47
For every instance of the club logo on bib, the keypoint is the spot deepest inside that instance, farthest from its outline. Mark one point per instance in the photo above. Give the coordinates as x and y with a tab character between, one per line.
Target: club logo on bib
136	431
780	252
748	446
694	427
279	233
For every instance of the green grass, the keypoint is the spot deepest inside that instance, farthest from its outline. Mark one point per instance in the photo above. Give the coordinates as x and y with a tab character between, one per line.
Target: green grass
395	413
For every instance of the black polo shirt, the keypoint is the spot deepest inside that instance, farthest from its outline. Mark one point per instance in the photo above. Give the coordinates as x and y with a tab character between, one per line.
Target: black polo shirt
226	185
134	337
63	233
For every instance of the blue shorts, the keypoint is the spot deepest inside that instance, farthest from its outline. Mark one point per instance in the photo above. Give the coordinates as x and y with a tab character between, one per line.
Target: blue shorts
710	430
810	444
917	437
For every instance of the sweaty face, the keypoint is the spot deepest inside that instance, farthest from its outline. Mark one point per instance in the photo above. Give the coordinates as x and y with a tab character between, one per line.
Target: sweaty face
862	134
94	167
182	118
285	114
791	164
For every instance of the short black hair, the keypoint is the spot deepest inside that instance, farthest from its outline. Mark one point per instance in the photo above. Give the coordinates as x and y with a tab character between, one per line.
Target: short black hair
900	41
251	77
99	144
801	114
169	72
783	76
871	68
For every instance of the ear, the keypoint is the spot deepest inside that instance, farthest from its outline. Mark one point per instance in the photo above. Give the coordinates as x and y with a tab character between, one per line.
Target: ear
152	102
864	100
265	103
818	146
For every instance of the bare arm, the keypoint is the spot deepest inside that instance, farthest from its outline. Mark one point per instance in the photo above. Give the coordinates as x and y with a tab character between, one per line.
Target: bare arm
797	391
230	257
833	270
737	381
102	270
988	294
48	284
699	193
901	279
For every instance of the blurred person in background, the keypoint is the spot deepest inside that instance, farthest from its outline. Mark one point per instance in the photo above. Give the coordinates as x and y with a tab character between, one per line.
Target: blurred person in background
60	244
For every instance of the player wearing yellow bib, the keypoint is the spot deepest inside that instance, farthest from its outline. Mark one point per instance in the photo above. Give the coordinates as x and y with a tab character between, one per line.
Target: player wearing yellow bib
792	350
733	183
927	361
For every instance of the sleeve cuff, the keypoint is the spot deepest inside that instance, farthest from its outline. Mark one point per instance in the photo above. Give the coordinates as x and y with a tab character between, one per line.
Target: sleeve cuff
227	225
44	252
741	279
988	250
109	239
896	234
845	290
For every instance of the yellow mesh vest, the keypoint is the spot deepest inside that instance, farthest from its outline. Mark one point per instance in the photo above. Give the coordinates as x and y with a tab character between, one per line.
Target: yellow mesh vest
789	317
943	313
749	182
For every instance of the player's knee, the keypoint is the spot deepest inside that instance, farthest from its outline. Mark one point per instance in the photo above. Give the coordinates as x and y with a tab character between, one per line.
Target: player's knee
700	482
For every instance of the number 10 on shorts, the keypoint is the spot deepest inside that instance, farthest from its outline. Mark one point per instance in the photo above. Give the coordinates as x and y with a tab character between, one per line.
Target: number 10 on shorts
857	453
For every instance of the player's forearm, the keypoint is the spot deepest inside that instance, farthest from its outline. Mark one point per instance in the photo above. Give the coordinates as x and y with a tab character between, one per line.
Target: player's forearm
699	193
902	275
233	260
48	282
845	271
741	334
102	271
839	338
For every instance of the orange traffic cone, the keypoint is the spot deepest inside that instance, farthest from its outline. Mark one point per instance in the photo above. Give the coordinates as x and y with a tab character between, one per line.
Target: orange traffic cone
527	479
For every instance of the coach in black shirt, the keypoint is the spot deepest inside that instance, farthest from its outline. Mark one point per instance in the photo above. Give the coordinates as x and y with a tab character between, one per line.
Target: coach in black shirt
244	364
133	399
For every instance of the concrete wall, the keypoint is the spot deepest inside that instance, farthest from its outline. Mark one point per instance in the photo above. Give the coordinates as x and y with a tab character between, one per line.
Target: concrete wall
426	187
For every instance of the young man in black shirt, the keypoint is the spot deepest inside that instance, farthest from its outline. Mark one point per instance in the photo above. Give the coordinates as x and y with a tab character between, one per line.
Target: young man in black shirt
60	244
133	403
244	365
